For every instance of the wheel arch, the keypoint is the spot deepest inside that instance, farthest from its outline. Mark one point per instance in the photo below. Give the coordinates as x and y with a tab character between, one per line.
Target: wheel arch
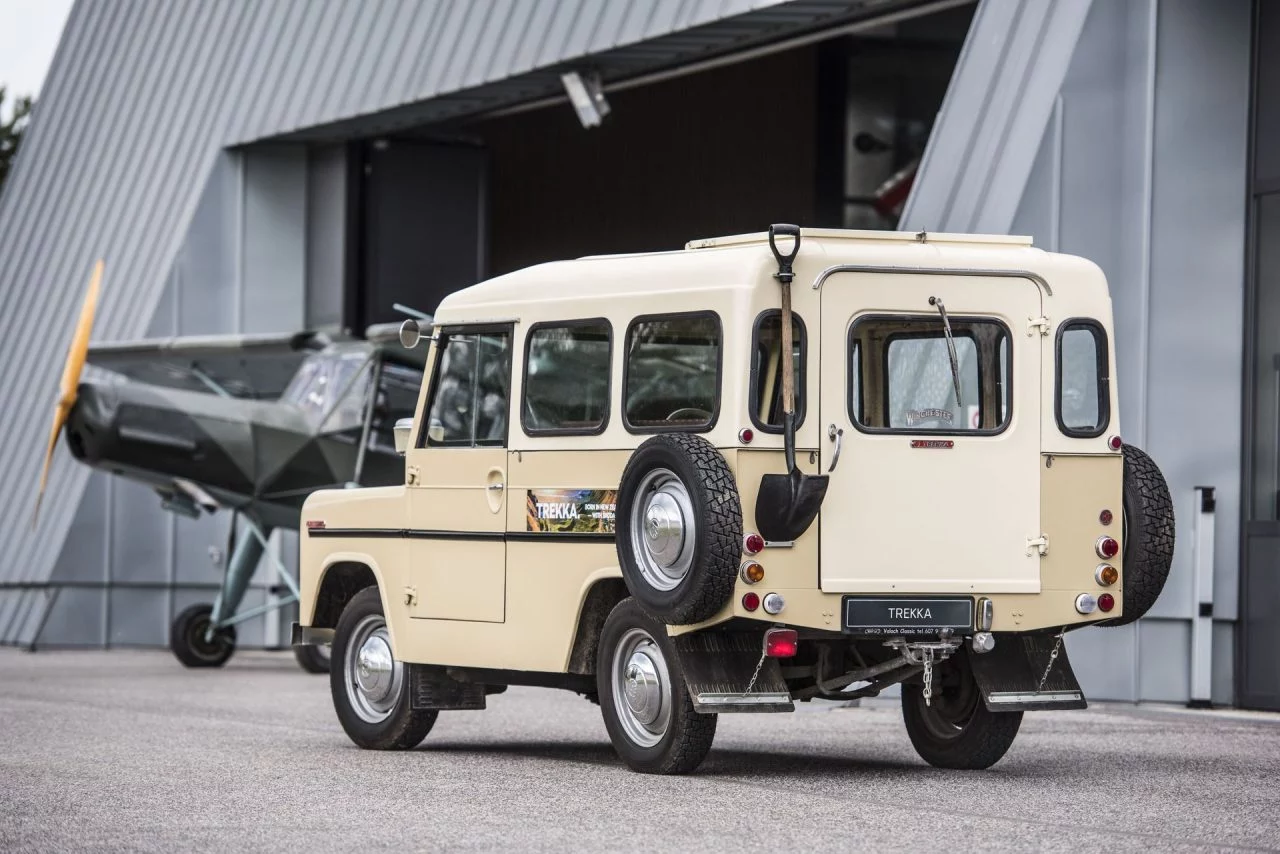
342	577
600	594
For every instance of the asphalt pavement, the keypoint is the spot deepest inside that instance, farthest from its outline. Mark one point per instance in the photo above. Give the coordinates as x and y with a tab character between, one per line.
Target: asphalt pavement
126	750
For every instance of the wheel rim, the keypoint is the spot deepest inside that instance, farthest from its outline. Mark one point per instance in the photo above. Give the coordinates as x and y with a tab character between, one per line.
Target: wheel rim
641	688
951	711
662	529
372	675
208	650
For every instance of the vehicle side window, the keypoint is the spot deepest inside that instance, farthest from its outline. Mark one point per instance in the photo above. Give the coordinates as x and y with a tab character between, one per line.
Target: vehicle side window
901	378
1083	400
471	392
566	378
766	370
672	373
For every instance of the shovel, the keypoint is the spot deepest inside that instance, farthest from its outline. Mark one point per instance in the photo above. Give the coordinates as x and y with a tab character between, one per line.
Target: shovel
788	503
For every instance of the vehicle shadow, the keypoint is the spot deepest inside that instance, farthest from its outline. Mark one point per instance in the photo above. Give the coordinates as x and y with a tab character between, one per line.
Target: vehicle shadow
726	763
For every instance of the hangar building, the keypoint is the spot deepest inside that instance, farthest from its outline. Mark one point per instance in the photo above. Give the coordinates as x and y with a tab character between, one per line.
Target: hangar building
268	166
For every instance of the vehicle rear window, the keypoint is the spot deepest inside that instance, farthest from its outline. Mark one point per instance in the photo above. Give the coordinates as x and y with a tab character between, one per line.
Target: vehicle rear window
1083	400
672	373
566	378
900	376
766	370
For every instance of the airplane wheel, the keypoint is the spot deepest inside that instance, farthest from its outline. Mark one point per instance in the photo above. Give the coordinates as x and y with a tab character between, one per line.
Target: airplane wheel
313	659
187	639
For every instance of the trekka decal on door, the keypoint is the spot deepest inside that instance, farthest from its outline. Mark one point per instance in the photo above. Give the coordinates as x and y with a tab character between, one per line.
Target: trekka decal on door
570	511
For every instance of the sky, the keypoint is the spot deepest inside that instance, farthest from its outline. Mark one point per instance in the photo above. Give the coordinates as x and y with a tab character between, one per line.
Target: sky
29	31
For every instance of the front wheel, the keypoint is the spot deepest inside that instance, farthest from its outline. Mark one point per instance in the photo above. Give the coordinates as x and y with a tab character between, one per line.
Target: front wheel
956	730
194	645
370	688
643	697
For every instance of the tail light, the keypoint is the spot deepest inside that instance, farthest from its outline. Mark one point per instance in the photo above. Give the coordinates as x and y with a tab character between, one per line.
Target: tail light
751	600
781	643
1107	547
753	544
1106	602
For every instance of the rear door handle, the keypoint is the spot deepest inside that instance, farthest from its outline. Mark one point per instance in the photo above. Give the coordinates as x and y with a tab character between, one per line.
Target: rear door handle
496	486
835	434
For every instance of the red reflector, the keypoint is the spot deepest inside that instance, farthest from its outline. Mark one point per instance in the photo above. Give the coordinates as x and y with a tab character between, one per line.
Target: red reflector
751	600
753	544
781	643
1106	602
1107	548
315	523
745	435
1115	443
1105	517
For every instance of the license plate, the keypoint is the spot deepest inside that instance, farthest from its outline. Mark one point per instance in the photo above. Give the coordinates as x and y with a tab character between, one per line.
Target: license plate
903	616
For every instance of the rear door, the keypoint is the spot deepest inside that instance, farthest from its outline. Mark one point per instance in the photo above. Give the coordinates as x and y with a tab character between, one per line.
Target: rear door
930	493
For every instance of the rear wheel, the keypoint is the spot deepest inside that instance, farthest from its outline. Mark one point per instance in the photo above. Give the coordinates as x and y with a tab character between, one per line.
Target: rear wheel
191	642
312	659
370	688
955	729
642	693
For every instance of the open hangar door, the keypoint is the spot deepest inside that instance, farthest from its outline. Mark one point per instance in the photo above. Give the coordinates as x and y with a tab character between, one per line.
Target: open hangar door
825	133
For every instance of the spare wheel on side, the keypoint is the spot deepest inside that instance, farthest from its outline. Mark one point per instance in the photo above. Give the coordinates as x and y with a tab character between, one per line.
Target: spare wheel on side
679	528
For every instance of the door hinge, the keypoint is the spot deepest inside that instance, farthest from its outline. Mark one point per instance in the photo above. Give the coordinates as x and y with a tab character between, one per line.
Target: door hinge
1039	544
411	475
1034	323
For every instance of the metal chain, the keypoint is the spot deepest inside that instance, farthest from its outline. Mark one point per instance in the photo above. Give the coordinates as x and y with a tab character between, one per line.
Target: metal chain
928	680
1053	656
756	675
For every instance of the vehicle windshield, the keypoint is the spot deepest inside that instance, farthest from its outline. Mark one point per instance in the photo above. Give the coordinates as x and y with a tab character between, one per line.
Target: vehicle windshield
331	389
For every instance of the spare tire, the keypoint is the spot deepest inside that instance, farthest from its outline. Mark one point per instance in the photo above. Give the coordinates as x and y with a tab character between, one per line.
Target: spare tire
679	528
1148	534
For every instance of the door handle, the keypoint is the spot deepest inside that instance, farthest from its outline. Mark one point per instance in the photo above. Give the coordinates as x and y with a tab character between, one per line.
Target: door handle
496	486
835	434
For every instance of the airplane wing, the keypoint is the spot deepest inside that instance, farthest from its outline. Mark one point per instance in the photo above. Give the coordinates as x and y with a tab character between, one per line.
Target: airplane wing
256	367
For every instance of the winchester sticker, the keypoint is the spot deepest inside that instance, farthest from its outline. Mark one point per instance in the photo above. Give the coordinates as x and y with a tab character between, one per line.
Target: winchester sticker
570	511
919	416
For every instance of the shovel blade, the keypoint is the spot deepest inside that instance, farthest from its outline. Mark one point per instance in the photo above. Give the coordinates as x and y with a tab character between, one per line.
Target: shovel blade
788	503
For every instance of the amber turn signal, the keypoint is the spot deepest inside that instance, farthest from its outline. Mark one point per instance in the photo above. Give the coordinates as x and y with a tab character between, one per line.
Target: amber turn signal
1106	574
751	571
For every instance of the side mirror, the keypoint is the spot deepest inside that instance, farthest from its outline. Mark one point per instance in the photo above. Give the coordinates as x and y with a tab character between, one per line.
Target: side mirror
403	431
410	334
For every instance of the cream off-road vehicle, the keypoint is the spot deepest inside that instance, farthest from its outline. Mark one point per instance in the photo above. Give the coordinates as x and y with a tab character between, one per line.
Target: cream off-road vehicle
764	470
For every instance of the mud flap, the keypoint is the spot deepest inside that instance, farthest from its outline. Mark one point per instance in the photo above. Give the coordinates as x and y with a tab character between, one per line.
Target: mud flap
717	669
431	688
1009	675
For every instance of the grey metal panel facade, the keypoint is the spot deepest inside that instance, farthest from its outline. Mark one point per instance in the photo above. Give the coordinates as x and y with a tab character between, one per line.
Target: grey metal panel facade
141	101
1142	168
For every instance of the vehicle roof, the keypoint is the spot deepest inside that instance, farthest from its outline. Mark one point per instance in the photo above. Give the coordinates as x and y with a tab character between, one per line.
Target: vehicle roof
741	263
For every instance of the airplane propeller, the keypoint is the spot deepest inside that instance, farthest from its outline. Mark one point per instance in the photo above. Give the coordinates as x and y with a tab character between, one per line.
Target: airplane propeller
71	370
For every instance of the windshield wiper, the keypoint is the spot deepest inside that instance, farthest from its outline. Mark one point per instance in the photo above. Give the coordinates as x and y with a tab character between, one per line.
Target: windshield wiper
951	346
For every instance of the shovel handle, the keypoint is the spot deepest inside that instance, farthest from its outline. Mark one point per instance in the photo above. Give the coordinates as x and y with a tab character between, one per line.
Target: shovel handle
788	357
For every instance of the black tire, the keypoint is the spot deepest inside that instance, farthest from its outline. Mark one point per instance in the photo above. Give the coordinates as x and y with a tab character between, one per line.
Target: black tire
687	737
187	639
312	659
403	727
957	731
716	520
1148	535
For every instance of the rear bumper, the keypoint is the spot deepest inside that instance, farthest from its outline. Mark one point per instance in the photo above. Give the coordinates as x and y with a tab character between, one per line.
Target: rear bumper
310	636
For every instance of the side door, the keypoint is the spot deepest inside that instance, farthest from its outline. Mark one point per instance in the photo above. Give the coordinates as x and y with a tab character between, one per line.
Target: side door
936	490
456	475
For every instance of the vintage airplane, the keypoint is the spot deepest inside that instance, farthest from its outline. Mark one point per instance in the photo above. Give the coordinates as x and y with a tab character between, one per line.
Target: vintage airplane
246	423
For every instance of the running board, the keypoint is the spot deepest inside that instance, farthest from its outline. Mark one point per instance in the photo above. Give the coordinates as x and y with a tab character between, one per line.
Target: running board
718	669
1010	675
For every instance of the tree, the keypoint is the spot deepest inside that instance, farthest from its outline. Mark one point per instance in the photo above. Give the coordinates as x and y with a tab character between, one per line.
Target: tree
11	131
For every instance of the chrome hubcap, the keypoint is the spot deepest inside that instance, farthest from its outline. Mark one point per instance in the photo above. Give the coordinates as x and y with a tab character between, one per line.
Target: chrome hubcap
642	688
662	529
372	675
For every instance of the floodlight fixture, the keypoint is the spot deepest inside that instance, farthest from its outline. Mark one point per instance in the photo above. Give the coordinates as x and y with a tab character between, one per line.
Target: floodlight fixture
586	93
